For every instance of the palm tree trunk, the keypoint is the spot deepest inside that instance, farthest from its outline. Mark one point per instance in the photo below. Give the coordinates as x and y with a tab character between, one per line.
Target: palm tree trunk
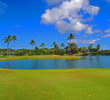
41	51
13	48
7	49
70	48
60	50
33	49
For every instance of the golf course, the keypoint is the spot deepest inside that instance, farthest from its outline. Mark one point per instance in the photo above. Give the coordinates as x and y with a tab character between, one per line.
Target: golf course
54	49
74	84
39	57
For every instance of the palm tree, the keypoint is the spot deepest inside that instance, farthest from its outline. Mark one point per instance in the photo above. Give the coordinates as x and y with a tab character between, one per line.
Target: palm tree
62	45
90	47
71	37
14	38
54	44
7	40
68	50
42	45
98	47
32	43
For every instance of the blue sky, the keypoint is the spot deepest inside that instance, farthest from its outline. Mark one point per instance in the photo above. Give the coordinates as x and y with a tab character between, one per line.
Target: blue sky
48	21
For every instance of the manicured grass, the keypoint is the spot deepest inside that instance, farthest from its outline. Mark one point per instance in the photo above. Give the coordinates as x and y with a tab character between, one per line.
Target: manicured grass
38	57
1	55
76	84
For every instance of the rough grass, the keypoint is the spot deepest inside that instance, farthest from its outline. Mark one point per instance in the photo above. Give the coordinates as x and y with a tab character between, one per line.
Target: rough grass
1	55
77	84
38	57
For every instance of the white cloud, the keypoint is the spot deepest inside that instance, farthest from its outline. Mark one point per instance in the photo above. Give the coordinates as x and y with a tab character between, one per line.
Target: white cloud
105	46
107	0
89	30
107	31
2	7
85	41
51	2
66	16
105	36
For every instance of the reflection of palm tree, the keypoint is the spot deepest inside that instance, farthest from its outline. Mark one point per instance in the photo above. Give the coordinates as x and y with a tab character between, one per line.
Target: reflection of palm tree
55	64
7	65
91	58
33	64
98	61
14	38
32	43
7	40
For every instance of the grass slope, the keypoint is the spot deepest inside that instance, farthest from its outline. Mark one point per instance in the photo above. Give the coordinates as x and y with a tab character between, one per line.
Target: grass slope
38	57
78	84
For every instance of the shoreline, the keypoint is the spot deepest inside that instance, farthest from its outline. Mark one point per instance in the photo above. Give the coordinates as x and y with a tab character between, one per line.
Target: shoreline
39	57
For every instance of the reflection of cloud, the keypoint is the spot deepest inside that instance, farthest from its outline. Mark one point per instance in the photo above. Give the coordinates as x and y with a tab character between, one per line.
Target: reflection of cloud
2	7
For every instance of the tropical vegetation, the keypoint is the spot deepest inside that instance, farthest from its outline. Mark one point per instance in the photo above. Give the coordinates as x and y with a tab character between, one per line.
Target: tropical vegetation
71	49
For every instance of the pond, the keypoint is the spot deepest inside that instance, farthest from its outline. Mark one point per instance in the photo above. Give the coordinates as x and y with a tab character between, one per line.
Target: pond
85	62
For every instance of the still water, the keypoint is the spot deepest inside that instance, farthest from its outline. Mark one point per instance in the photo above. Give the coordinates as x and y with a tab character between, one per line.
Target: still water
85	62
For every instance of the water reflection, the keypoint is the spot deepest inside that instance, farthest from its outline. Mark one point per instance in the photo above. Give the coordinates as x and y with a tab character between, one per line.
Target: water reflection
85	62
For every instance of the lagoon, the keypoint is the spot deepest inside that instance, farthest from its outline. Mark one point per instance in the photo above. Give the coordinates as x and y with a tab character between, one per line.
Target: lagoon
85	62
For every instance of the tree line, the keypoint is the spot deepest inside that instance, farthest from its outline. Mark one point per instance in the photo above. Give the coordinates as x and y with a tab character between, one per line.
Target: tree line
71	49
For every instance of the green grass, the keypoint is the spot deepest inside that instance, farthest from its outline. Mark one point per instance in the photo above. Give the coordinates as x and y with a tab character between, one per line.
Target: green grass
1	55
38	57
77	84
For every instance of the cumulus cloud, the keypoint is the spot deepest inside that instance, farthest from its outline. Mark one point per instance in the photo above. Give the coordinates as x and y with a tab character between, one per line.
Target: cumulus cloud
52	2
105	36
69	15
93	41
107	0
107	31
89	30
2	7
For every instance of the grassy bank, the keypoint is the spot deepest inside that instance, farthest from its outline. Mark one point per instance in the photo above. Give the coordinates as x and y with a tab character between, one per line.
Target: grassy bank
82	84
1	55
38	57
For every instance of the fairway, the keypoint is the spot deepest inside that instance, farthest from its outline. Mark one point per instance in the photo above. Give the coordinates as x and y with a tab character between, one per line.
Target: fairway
77	84
39	57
